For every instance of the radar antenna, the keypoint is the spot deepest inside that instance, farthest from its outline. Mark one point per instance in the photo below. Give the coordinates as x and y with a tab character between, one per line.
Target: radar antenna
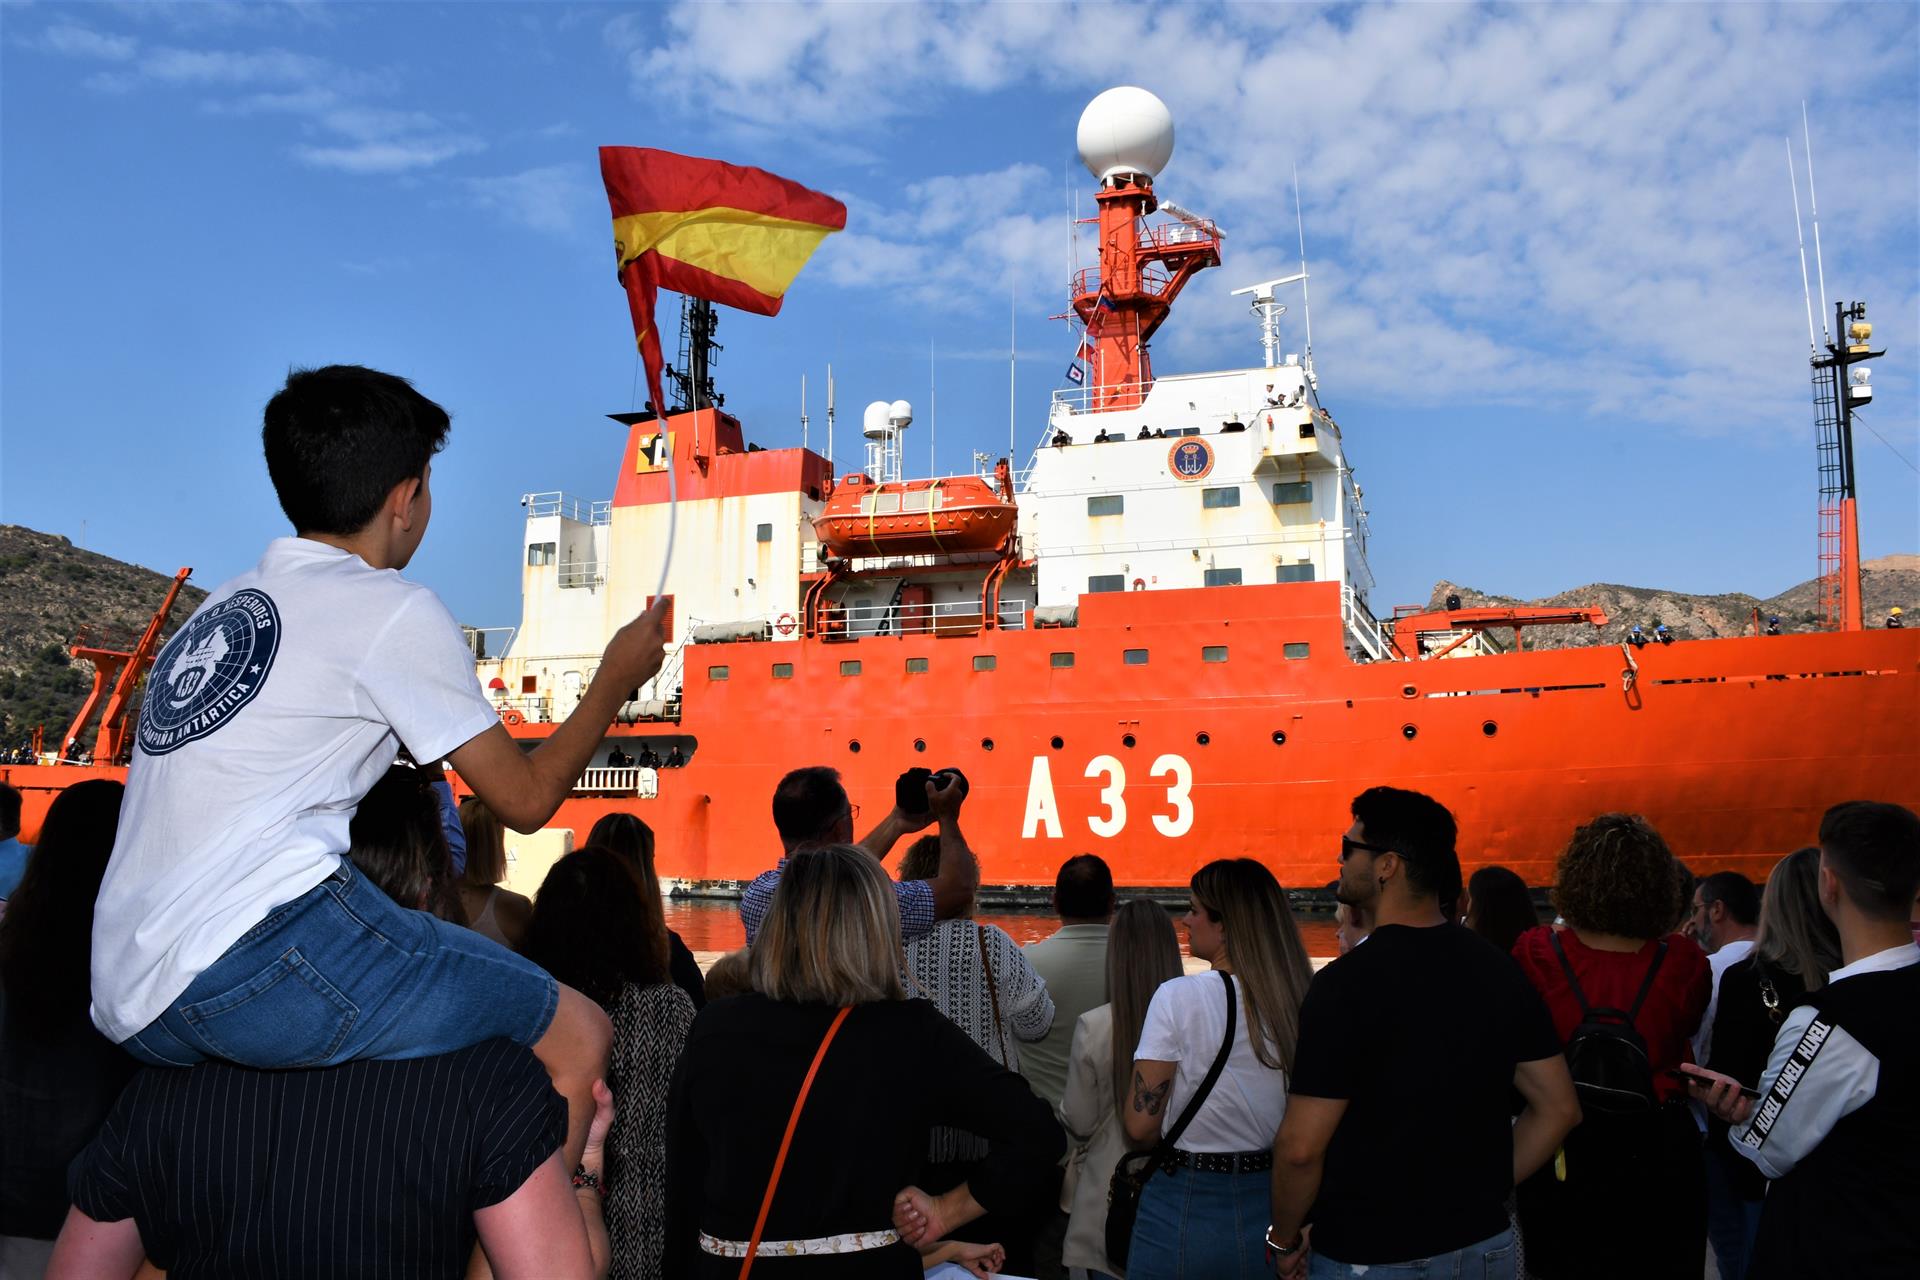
1306	303
1270	312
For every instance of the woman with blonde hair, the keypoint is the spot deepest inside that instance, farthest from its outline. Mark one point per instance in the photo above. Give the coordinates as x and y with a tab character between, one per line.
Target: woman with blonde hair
493	912
1204	1212
1142	954
799	1111
1793	952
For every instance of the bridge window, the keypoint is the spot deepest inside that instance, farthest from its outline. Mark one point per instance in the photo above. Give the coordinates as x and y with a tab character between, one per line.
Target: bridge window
985	661
1302	572
1223	577
1061	661
783	671
850	668
716	673
1106	504
1295	649
916	666
763	533
539	553
1213	653
1289	493
1225	497
1106	582
1134	657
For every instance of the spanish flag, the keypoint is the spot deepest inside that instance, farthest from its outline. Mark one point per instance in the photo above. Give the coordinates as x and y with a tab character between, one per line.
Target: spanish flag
722	232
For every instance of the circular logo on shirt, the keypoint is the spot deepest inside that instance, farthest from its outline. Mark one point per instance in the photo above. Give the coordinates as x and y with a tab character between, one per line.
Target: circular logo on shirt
209	670
1190	459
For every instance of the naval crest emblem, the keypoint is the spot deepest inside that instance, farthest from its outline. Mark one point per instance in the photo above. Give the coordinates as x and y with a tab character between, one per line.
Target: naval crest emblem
214	666
1190	459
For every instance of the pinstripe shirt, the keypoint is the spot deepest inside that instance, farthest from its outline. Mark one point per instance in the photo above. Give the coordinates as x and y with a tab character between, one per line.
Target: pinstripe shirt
366	1169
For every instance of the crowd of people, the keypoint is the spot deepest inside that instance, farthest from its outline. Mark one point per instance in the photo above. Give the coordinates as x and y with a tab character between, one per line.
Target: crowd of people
267	1010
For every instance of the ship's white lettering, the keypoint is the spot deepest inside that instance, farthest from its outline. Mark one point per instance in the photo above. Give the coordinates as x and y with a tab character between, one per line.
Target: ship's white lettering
1113	796
1177	794
1042	809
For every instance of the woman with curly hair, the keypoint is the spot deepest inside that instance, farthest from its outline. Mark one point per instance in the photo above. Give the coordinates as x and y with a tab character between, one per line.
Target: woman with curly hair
1627	1194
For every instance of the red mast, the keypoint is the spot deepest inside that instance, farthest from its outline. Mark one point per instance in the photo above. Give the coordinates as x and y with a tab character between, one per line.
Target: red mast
1125	137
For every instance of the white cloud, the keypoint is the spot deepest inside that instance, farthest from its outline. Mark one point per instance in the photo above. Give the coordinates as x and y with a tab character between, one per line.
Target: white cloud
84	42
386	157
1577	205
544	199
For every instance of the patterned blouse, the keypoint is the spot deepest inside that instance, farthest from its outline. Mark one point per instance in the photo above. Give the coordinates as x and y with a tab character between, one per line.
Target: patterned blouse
649	1027
945	967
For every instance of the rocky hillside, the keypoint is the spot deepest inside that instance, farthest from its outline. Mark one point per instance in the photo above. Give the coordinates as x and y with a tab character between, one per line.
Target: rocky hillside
52	590
1886	582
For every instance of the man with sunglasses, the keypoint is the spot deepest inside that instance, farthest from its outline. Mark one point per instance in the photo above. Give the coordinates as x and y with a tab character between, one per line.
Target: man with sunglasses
810	808
1398	1145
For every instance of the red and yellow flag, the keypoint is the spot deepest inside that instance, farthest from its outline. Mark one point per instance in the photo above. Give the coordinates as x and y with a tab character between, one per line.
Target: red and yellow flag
723	232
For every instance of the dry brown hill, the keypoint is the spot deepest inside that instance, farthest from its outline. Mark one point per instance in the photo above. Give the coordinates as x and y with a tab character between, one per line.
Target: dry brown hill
1886	582
52	589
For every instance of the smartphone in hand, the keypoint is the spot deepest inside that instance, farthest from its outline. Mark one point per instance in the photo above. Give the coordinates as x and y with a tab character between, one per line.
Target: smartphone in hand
1690	1074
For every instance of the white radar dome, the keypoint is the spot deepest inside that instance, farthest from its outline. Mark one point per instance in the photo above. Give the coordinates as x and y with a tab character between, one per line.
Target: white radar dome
900	413
873	422
1125	130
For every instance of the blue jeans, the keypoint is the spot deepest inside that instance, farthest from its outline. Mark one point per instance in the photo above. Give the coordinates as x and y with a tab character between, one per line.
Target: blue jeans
342	974
1491	1259
1202	1226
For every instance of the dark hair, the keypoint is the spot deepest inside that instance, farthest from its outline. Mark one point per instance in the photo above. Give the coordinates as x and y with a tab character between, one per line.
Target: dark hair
630	840
339	439
1618	876
594	930
1084	888
9	811
46	937
396	841
1874	849
921	861
1502	908
1741	895
807	804
1419	829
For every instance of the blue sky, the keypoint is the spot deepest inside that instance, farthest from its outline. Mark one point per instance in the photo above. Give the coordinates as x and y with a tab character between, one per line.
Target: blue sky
1557	297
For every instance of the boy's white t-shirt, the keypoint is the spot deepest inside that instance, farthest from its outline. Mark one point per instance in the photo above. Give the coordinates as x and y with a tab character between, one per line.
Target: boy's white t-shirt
267	718
1185	1022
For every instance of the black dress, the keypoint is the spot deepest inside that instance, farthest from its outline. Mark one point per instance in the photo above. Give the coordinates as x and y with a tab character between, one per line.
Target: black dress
896	1069
56	1087
1743	1032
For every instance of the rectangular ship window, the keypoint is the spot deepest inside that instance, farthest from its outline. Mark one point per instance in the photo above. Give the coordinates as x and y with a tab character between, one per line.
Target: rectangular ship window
716	673
529	684
763	533
1222	577
539	553
783	671
1287	493
850	667
916	666
1213	653
1106	582
1227	497
1302	572
985	661
1134	657
1061	661
1295	649
1106	504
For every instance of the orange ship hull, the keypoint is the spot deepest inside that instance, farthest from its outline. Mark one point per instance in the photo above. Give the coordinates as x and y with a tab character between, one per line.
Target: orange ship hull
1733	748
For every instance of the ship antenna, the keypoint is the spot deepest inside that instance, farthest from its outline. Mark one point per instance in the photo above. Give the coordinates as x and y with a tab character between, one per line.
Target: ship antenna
933	416
1813	204
830	462
1306	304
803	411
1806	290
1013	345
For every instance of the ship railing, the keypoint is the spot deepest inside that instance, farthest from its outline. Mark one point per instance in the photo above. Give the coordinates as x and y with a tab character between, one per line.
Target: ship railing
534	708
939	618
1362	628
1072	401
641	783
556	503
582	573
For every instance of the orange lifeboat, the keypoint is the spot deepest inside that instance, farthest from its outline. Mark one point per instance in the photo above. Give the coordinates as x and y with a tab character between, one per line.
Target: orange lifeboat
914	517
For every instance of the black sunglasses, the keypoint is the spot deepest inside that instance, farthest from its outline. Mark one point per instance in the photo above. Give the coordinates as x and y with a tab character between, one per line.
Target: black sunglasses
1348	847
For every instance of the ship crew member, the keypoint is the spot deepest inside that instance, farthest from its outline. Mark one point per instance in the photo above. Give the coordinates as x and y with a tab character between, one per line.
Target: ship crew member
1146	433
1661	633
1773	624
649	758
675	758
1636	637
1274	399
1232	425
618	759
1061	439
1893	619
1453	601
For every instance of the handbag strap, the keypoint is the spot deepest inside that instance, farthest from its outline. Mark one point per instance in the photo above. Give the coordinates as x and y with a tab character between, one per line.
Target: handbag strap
786	1140
1192	1108
993	992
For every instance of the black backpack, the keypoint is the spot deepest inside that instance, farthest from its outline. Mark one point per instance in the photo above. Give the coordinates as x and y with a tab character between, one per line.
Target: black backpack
1607	1056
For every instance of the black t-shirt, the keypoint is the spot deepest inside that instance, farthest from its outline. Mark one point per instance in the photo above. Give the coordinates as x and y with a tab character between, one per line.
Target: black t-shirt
1419	1031
366	1169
